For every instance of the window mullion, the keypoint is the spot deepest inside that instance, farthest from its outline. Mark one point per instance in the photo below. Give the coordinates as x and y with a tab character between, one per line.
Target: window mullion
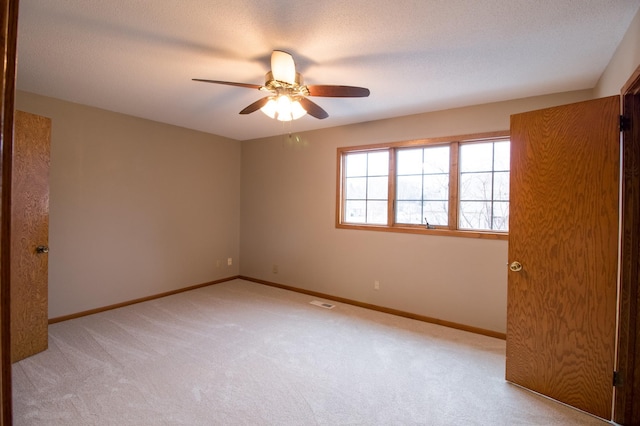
391	193
454	202
366	191
493	183
422	200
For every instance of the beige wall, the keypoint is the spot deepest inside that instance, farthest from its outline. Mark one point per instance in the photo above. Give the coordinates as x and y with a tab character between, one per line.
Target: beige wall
624	62
136	207
288	219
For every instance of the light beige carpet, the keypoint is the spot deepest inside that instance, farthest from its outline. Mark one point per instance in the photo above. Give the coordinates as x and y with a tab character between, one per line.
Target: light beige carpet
241	353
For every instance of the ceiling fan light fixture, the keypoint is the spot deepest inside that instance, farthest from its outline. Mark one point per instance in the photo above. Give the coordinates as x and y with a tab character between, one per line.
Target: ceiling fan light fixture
297	111
283	108
288	93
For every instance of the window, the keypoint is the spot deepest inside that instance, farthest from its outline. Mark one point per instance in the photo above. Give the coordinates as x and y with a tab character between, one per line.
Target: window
450	186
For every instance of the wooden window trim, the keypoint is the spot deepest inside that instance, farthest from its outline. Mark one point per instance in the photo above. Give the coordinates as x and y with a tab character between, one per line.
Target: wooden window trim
454	144
454	188
391	192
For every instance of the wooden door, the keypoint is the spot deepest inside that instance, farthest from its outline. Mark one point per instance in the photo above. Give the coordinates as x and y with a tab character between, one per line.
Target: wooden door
29	231
561	306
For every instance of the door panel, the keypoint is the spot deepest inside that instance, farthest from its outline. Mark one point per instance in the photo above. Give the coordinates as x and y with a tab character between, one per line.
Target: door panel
561	307
29	229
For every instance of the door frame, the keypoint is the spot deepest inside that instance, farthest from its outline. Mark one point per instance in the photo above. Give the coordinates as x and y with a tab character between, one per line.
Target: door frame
9	37
627	393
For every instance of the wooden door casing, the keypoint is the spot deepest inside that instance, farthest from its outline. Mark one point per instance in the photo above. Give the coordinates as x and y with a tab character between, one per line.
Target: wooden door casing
29	229
561	308
627	393
9	37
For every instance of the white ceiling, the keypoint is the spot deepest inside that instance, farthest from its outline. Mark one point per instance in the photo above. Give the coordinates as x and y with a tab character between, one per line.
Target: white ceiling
138	56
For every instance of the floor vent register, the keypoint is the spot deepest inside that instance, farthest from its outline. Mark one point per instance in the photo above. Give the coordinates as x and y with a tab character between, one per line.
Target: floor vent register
323	304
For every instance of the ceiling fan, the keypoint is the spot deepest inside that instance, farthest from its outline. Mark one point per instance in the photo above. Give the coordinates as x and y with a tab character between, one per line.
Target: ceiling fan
287	99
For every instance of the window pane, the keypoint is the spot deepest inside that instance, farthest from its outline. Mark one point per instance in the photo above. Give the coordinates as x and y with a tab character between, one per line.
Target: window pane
475	215
409	187
501	216
378	188
436	187
476	157
409	161
356	188
356	165
366	179
436	160
409	212
378	163
377	212
501	186
475	186
436	212
355	211
502	156
422	185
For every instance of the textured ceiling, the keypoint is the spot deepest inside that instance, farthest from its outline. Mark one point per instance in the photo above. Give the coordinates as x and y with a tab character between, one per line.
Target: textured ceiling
138	56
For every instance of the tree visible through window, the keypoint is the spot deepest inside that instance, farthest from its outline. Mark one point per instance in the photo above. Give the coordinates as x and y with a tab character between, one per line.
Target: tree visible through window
484	186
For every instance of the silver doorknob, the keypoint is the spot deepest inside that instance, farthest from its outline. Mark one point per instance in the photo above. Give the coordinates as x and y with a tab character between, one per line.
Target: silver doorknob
42	249
515	266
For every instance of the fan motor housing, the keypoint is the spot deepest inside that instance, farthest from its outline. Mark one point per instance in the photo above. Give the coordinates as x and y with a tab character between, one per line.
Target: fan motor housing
282	87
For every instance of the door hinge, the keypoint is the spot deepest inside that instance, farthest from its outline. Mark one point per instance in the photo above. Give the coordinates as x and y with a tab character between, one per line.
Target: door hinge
624	123
617	379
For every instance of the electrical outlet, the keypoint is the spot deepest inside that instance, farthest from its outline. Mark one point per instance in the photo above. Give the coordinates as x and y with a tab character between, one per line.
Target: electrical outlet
274	269
229	261
376	285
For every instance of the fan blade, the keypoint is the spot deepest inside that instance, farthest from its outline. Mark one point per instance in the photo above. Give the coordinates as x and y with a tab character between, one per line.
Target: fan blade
282	67
338	91
313	109
255	106
229	83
